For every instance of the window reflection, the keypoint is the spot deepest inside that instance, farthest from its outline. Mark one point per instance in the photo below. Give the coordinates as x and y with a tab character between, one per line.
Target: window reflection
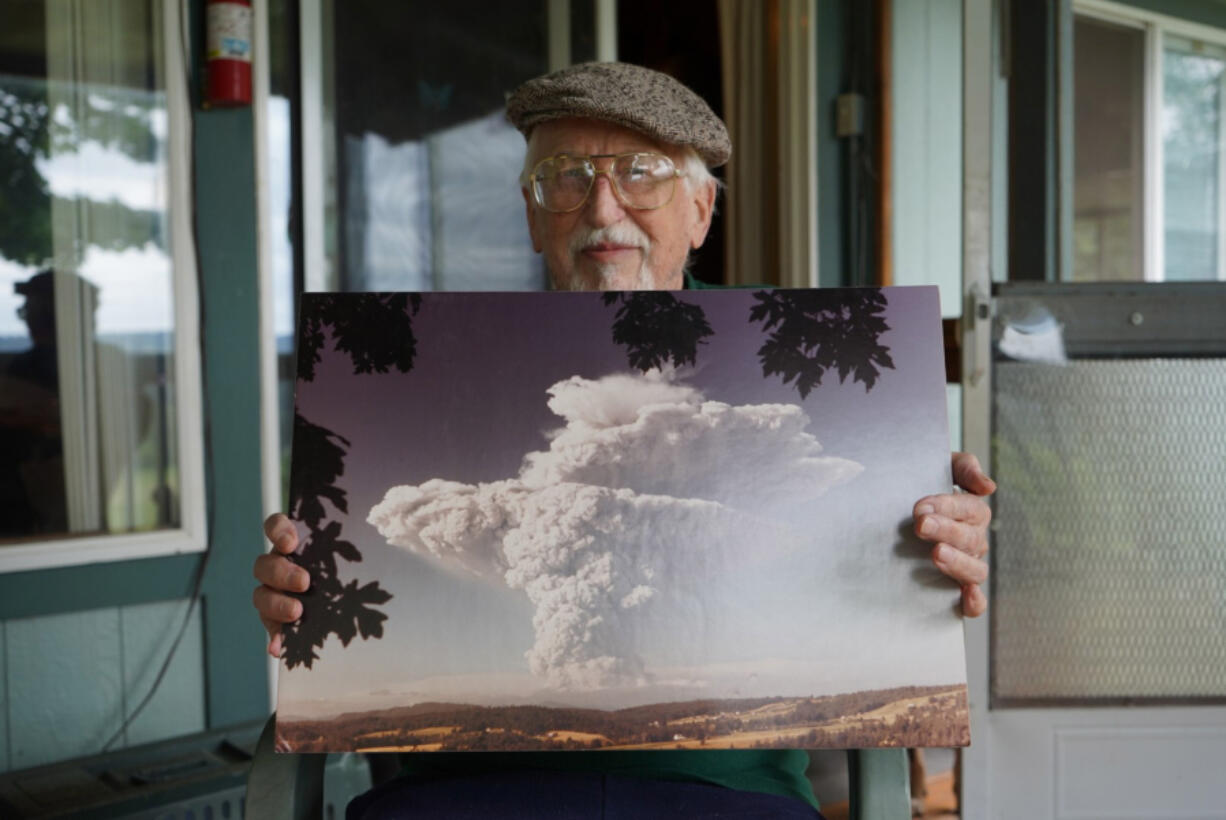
440	213
31	445
86	297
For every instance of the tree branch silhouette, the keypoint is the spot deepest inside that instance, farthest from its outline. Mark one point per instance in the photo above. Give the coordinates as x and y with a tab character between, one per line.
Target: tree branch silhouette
812	332
319	459
656	327
375	331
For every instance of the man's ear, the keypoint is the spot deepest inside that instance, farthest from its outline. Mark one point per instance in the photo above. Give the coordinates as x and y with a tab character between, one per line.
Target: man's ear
531	214
704	209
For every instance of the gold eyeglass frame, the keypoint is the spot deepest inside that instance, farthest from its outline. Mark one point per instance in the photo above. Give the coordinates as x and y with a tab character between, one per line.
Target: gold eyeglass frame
535	178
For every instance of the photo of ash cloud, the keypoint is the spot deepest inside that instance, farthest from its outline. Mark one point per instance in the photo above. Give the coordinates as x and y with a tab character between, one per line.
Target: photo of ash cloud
625	520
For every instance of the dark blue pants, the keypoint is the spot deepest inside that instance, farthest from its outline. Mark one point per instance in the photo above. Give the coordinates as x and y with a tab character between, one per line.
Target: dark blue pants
562	796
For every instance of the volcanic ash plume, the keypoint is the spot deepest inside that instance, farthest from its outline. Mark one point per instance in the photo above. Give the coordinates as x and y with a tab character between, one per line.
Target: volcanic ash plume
644	496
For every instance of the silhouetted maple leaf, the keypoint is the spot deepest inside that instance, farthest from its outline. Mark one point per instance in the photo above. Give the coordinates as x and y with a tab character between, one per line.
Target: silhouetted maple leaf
814	331
375	329
353	615
657	327
310	346
319	460
319	553
298	647
328	607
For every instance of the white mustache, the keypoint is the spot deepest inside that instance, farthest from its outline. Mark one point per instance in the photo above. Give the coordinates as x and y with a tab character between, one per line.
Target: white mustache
621	233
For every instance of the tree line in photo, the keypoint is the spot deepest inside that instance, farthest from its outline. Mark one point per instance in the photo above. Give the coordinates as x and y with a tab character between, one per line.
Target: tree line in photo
923	715
809	333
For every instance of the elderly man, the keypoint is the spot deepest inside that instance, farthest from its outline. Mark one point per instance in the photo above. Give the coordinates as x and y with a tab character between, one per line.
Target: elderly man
618	191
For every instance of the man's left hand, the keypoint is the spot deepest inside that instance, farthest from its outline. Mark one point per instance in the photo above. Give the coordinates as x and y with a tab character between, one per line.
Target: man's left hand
956	524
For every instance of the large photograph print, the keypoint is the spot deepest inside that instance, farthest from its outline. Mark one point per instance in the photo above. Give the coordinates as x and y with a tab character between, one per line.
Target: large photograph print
622	520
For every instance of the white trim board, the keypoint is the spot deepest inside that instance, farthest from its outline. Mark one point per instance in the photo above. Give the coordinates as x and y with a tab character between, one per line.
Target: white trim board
1135	17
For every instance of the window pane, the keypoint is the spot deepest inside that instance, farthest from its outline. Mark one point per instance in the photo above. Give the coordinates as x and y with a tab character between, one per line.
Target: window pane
427	166
1109	160
87	413
1192	75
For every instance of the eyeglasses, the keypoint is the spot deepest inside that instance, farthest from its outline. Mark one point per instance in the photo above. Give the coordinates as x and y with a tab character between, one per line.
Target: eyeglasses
643	181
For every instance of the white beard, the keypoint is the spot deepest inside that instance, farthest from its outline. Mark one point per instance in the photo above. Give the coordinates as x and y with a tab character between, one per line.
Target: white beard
645	280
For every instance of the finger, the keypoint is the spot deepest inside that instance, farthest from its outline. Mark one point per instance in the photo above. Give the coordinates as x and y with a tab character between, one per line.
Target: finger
974	602
969	509
959	566
275	607
273	628
280	573
275	644
967	538
969	475
281	532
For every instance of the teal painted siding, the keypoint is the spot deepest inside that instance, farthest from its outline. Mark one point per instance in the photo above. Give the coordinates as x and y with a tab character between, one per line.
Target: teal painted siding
73	678
927	147
95	586
225	203
224	143
68	698
147	632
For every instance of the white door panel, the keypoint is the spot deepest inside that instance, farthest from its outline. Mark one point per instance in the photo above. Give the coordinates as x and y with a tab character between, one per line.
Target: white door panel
1084	764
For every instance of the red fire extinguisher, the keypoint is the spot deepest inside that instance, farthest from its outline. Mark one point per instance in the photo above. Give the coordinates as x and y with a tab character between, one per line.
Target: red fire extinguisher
228	53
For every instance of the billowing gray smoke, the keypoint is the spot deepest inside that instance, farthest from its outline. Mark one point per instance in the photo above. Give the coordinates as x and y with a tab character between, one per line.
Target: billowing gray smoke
643	494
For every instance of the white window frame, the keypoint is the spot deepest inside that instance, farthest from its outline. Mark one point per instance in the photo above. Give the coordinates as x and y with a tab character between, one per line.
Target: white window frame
191	536
319	268
1156	26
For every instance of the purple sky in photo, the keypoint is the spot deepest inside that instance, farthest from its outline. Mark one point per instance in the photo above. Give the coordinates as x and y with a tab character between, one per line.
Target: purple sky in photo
474	402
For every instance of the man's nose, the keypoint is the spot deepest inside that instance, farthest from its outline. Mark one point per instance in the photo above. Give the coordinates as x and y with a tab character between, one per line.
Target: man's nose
603	207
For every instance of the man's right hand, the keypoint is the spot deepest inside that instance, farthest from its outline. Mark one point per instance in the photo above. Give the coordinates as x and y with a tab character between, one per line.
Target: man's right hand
278	575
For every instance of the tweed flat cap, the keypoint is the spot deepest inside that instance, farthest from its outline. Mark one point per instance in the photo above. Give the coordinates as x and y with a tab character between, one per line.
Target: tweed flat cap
632	96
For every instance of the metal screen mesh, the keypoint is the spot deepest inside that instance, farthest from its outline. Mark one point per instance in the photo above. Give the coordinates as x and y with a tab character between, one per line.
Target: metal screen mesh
1110	536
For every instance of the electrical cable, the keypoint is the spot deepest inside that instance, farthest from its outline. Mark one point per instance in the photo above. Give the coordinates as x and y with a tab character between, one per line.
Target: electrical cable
210	505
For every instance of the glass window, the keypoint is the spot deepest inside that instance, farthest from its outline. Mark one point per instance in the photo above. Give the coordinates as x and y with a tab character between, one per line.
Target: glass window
1108	151
89	424
1192	75
1147	146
